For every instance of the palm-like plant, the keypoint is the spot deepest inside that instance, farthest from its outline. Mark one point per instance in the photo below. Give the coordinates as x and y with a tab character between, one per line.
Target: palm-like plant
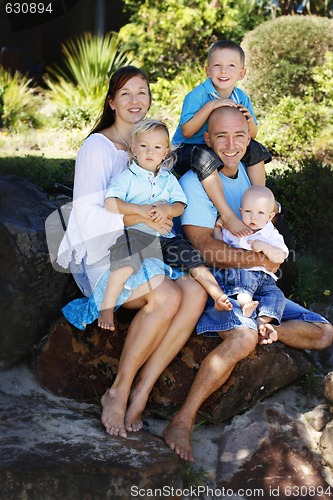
18	100
77	89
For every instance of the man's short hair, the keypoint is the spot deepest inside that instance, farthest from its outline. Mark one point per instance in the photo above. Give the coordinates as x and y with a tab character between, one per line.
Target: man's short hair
224	109
227	44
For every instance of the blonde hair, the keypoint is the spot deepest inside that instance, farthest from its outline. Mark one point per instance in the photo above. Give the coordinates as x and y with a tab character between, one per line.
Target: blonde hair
151	125
227	44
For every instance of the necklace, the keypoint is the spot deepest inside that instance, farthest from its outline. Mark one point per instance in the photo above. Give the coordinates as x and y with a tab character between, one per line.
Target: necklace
122	140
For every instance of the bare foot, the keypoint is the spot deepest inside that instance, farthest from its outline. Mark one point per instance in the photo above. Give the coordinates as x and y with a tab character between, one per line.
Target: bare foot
113	413
267	333
237	227
105	319
137	404
249	307
222	303
178	438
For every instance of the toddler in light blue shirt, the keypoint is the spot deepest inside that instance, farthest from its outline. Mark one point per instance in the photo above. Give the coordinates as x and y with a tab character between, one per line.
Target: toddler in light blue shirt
151	193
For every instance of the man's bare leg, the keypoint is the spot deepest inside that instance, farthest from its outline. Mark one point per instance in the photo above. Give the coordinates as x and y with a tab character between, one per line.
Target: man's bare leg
144	334
213	372
305	335
193	302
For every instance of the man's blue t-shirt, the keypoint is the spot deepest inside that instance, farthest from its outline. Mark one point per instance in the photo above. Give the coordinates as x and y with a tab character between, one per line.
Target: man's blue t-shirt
200	210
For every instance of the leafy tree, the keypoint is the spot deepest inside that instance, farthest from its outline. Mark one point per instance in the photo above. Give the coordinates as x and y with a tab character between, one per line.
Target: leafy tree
165	35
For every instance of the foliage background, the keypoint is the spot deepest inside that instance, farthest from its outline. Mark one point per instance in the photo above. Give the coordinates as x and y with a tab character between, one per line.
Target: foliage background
289	60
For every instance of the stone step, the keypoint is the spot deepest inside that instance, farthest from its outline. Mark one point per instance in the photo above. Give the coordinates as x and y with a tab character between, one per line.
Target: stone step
54	448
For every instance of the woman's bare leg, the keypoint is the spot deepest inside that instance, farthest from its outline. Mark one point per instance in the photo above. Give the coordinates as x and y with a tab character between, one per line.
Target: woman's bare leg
157	308
193	302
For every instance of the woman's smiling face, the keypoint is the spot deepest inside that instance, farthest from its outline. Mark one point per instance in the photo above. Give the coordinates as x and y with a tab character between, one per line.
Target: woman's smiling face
131	101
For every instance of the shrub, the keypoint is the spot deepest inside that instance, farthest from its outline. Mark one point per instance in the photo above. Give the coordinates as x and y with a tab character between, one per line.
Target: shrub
306	194
44	172
291	128
18	101
281	55
299	127
168	95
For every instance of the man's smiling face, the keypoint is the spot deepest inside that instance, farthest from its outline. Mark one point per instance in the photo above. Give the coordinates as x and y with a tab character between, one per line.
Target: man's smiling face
228	134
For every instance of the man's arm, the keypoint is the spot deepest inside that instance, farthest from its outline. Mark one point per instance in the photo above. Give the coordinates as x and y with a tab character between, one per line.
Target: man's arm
218	253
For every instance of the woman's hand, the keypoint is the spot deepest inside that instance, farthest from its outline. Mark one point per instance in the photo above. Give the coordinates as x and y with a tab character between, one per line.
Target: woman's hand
159	213
144	211
163	227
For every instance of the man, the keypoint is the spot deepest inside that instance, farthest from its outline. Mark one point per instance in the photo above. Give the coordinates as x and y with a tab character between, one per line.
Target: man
228	136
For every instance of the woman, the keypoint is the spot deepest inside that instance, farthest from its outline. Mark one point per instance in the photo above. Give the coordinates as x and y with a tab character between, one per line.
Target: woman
156	333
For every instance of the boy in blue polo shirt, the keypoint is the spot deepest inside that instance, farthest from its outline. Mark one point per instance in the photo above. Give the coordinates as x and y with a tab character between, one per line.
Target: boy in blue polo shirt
149	190
225	66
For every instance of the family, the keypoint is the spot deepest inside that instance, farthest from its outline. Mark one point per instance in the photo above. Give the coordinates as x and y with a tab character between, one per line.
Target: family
215	273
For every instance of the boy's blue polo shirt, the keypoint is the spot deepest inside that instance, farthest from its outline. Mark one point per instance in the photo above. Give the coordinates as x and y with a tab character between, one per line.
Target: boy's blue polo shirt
200	210
194	101
137	185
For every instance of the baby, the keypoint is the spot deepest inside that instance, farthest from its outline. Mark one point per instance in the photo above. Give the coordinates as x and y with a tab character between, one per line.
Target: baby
256	288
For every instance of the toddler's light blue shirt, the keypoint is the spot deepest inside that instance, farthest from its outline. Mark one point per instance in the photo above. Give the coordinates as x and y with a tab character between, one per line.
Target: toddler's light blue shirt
137	185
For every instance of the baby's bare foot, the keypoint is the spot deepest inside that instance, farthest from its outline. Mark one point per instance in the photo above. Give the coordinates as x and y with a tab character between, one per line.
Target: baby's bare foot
222	303
249	308
106	318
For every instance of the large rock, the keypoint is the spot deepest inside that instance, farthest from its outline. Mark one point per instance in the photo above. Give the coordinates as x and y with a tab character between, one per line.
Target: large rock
271	450
53	448
80	364
31	291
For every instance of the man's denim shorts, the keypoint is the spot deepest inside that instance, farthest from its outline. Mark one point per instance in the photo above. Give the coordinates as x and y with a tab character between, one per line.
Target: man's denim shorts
212	321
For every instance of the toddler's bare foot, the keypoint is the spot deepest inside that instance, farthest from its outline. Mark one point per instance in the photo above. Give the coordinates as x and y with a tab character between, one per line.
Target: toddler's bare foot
267	333
249	308
237	227
178	438
113	413
106	318
222	303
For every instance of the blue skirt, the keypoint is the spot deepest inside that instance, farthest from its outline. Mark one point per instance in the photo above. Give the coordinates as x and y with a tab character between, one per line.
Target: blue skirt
81	312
